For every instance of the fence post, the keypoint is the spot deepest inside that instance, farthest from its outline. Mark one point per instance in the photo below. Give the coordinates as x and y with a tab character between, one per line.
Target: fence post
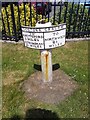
66	5
25	13
54	12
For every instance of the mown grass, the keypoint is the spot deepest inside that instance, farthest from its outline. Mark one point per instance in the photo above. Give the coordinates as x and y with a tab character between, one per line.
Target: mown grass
17	65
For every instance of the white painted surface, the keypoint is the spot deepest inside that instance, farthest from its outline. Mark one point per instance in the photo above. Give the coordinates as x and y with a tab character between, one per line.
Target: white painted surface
43	25
46	59
54	39
44	36
46	64
34	40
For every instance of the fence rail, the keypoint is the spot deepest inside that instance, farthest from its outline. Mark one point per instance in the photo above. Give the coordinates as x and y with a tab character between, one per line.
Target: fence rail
75	15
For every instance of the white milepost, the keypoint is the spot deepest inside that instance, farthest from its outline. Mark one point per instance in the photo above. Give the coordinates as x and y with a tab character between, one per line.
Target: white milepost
46	57
45	37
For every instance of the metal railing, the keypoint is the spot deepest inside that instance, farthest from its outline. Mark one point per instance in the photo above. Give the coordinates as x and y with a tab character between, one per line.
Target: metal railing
75	15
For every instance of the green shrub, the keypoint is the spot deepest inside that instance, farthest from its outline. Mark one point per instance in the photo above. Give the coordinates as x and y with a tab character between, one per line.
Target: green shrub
22	19
82	20
77	20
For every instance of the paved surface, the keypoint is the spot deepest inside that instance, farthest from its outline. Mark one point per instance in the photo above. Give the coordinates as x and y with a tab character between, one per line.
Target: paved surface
58	90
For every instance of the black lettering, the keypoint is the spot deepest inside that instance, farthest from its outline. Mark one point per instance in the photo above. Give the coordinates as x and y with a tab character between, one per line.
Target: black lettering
48	28
39	30
53	42
49	38
61	26
52	28
31	45
41	36
38	36
54	34
50	45
57	33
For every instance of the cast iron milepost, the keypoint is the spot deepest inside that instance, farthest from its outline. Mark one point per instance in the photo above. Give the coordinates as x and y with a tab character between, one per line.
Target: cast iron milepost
45	36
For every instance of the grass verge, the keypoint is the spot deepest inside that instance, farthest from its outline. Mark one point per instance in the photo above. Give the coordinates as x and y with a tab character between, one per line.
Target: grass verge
17	65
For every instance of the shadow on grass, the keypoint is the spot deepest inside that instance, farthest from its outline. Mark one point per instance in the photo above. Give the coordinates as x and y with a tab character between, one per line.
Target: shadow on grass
37	114
54	67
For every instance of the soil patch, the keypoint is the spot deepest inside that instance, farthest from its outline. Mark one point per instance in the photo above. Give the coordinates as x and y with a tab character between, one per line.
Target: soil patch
54	92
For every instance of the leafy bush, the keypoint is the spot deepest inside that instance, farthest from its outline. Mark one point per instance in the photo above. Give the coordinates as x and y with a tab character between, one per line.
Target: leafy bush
73	19
22	19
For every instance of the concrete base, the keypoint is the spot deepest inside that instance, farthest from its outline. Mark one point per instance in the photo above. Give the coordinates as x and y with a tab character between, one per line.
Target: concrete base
54	92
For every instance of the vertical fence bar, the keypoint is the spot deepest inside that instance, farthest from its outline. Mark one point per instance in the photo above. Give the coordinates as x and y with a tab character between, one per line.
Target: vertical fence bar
88	26
0	66
89	21
0	20
70	17
30	14
60	14
86	17
85	28
75	20
54	11
79	21
80	27
8	23
24	13
19	32
42	10
83	25
13	21
0	28
65	16
48	9
36	12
